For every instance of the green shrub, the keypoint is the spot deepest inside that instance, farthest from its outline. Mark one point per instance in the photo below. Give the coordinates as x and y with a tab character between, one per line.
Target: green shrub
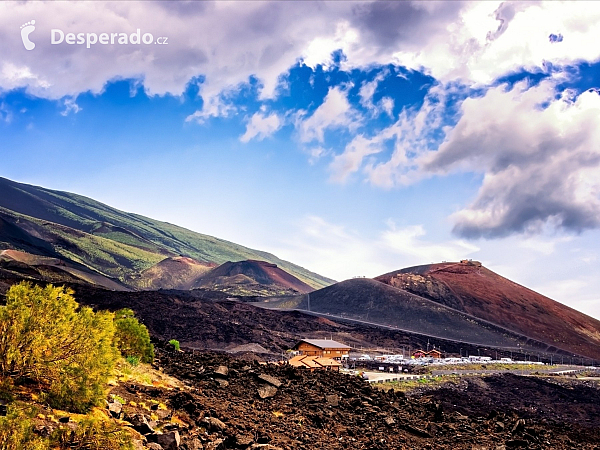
92	434
175	343
16	432
132	338
45	337
133	360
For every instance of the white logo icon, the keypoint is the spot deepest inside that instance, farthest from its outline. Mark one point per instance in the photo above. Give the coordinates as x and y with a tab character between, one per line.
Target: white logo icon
26	30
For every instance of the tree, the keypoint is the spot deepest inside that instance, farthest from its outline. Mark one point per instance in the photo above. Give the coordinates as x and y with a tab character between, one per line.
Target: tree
131	337
47	338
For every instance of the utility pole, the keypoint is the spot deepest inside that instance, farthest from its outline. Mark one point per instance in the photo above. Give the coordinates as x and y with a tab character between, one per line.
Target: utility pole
308	302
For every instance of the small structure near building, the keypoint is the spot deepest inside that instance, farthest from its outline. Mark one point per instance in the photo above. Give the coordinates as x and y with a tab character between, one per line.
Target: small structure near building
314	363
325	348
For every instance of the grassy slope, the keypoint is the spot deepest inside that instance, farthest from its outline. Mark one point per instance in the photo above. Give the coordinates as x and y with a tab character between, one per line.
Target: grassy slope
153	236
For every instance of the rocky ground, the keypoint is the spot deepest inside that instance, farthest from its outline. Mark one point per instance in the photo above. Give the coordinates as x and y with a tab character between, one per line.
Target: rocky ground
225	403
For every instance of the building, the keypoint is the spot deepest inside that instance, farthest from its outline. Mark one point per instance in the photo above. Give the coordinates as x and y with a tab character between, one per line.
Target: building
326	348
430	354
419	354
314	363
434	353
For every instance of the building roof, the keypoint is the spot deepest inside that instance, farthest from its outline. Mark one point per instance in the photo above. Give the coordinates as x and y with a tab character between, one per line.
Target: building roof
325	343
313	362
304	361
327	362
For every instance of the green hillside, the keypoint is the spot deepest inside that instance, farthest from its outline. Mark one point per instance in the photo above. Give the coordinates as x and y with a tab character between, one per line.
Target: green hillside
113	242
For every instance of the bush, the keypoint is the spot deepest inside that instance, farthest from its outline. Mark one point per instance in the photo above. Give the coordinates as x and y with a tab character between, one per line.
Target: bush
92	434
46	338
16	432
133	360
175	343
132	338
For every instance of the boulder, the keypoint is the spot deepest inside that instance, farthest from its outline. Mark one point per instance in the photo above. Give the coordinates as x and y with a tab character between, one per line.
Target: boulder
169	441
214	424
244	440
332	400
222	371
271	380
267	391
140	424
115	408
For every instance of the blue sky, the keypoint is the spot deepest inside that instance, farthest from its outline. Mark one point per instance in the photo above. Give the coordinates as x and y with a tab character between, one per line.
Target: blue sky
351	138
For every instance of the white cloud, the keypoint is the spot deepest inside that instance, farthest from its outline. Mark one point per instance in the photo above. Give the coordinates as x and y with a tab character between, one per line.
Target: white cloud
489	39
387	105
339	252
71	106
411	136
367	91
5	113
538	156
261	126
351	159
229	42
540	165
316	153
216	106
334	112
409	241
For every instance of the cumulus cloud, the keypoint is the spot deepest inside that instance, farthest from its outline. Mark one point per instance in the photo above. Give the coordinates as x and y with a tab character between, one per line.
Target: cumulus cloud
367	91
539	157
334	112
411	136
214	106
261	126
229	42
474	41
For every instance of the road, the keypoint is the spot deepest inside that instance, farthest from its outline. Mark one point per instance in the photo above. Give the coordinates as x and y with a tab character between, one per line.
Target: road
381	377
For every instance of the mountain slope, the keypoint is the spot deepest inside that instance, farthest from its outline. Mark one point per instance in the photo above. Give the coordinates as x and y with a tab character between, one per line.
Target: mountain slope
177	272
476	290
253	273
103	238
371	301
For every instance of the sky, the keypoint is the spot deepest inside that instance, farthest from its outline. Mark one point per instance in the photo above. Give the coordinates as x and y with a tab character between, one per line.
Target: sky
352	138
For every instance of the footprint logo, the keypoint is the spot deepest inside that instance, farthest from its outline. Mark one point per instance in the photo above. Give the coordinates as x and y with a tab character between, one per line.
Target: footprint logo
26	30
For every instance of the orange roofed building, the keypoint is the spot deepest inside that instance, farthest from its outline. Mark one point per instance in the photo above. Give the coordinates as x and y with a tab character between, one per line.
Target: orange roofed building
314	363
324	348
431	354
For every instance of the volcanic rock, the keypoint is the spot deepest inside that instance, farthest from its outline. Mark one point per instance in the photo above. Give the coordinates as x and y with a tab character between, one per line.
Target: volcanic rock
271	380
267	391
169	441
